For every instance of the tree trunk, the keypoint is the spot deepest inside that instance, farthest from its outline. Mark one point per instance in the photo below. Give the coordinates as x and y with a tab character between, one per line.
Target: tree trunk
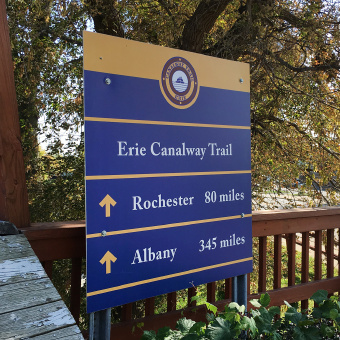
200	24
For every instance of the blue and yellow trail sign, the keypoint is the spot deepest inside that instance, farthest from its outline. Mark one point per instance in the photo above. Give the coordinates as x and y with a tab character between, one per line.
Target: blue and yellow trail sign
168	180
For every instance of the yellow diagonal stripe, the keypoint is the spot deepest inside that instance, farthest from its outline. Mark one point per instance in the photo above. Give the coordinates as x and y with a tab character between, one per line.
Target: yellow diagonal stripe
165	277
156	122
172	174
165	226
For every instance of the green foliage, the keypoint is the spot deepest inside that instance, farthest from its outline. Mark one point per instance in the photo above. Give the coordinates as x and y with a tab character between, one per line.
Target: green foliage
292	50
56	187
211	307
323	322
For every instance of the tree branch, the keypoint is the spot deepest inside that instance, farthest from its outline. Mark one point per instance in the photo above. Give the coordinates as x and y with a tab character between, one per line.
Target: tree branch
167	10
106	17
200	24
331	66
304	133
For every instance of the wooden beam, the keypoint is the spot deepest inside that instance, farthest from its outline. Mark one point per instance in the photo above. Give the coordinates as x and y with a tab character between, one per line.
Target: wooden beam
57	240
300	292
13	190
60	240
290	221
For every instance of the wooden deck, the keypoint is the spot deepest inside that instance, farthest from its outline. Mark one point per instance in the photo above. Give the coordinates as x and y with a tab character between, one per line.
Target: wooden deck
30	306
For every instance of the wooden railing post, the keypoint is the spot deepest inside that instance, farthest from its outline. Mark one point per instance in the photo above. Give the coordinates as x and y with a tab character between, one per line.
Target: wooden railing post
150	306
318	255
126	312
305	264
13	191
228	288
277	261
330	252
262	263
191	294
171	301
211	292
291	247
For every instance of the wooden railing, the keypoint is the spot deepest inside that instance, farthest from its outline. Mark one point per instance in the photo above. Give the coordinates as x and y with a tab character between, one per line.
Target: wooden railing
295	228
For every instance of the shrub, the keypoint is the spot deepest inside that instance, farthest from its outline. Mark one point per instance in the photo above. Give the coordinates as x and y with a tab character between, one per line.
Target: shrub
263	322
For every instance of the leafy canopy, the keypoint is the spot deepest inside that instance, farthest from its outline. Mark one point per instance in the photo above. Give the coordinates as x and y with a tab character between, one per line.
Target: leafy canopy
292	47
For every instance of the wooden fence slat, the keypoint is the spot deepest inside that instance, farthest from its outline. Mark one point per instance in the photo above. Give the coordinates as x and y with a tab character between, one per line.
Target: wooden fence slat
149	306
228	289
318	255
126	312
262	263
305	264
191	293
211	292
291	245
330	253
305	257
277	261
171	301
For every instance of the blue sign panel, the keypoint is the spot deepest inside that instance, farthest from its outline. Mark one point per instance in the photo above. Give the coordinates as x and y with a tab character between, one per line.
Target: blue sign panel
168	180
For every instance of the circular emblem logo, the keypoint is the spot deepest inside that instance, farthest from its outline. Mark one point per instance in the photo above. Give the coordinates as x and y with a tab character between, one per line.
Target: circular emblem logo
179	83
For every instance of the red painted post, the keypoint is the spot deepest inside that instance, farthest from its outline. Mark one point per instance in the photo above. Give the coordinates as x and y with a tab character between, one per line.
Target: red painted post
277	261
305	264
262	263
211	292
13	190
291	246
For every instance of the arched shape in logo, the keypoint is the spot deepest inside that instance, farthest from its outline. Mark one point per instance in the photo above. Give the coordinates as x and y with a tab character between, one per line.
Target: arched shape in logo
179	83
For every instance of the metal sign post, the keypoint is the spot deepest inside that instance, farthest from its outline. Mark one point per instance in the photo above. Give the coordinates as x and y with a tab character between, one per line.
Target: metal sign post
239	290
100	325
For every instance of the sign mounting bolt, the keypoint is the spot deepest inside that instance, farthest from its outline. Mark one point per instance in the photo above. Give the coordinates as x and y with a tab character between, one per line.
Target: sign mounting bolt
104	233
107	81
241	80
242	215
